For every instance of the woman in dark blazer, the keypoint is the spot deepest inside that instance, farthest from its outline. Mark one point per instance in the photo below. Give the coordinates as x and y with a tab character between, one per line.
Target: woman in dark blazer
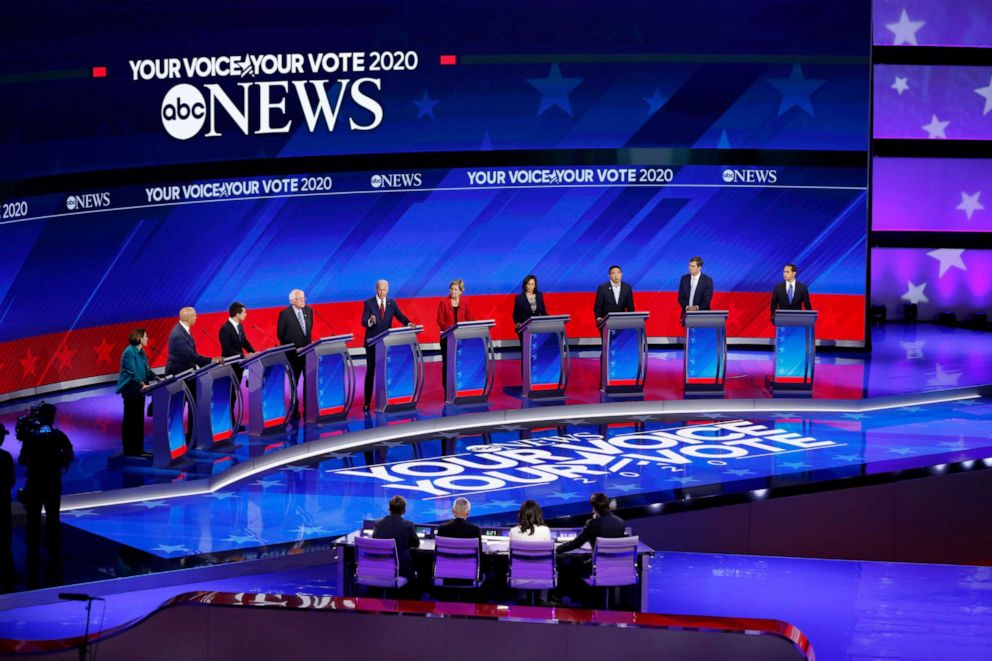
452	309
134	379
529	303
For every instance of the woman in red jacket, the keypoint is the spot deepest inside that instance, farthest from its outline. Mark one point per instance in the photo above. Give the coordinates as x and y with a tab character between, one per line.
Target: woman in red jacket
451	310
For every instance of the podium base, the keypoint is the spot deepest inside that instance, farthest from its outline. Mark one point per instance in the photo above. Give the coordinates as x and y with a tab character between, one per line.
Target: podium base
622	390
701	390
791	389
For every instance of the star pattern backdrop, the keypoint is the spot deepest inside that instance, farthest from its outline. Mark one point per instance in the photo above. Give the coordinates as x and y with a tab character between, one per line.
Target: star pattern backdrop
932	23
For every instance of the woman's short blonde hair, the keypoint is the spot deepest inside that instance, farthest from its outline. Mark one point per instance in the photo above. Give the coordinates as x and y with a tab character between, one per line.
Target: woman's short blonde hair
457	282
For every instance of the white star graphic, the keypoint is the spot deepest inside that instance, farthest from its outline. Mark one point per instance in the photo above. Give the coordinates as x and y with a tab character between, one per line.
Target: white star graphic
914	350
935	129
79	514
171	548
905	30
901	85
948	257
915	293
151	504
986	93
796	90
942	377
970	204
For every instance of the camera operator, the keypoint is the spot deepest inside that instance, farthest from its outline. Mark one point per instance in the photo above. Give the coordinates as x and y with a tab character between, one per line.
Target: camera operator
7	576
47	453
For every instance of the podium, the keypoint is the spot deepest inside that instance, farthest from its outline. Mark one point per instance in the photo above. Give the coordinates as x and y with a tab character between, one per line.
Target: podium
705	351
470	362
795	350
269	376
399	369
217	392
544	356
624	360
329	388
169	397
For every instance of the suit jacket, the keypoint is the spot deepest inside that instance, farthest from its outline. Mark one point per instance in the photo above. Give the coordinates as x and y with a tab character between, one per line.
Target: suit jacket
446	313
606	303
404	532
370	308
704	292
234	342
135	371
182	352
800	298
459	528
288	329
521	308
605	525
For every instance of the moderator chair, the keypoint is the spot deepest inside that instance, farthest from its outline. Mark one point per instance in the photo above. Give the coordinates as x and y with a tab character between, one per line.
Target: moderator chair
457	562
377	564
532	565
614	564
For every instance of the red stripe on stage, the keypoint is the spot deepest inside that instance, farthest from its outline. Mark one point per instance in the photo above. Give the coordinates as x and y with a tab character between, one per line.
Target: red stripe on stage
178	452
273	422
449	60
544	386
400	400
469	393
621	382
791	379
331	409
224	435
702	380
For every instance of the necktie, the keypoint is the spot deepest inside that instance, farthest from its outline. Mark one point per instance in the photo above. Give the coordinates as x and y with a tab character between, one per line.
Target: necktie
303	323
241	334
692	291
382	312
790	292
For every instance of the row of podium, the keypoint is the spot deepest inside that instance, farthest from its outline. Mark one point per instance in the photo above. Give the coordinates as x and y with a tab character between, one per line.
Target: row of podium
329	386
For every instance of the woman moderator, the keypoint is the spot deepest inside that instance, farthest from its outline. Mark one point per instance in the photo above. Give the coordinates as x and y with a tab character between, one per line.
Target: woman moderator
529	303
530	521
134	379
451	310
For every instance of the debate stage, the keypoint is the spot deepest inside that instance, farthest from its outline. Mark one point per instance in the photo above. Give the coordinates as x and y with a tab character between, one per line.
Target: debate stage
916	407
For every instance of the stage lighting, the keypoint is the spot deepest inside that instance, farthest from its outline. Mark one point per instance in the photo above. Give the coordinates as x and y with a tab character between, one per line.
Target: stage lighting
910	311
878	314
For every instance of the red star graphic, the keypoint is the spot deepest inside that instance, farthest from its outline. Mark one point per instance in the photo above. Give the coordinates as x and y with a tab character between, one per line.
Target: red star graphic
64	355
103	423
29	364
103	351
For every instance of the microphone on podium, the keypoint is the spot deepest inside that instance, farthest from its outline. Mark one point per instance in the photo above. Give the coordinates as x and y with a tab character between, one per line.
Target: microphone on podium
322	318
77	596
275	342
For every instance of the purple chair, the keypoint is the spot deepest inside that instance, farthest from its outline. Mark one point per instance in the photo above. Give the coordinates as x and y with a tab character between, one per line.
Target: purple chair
376	563
457	562
532	565
614	564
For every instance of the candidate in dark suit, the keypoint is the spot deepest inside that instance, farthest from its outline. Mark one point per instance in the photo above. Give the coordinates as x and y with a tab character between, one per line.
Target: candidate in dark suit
603	523
134	378
182	346
295	326
529	303
695	289
233	341
613	296
790	294
458	526
452	309
403	531
378	314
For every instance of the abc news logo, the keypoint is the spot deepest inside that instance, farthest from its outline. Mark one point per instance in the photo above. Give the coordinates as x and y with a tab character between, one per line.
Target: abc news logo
401	180
87	201
731	176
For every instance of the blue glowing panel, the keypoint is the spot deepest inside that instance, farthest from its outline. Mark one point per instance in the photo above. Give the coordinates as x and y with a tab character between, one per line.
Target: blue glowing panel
545	360
790	354
274	394
400	376
931	194
624	359
917	102
935	280
330	383
471	358
220	409
703	350
177	431
932	23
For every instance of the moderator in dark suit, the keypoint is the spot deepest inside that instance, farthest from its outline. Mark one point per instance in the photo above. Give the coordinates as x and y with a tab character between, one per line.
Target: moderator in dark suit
800	297
604	525
606	302
404	532
384	317
704	292
459	527
182	352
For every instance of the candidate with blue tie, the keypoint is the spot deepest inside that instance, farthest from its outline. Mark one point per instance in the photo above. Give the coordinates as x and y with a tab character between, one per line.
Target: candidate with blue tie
790	294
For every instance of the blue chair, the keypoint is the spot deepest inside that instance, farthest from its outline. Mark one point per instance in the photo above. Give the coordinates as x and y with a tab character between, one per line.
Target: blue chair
532	565
614	564
377	564
457	562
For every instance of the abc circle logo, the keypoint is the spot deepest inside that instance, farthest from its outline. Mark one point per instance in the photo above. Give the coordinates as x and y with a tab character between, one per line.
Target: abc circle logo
376	181
728	176
71	203
184	111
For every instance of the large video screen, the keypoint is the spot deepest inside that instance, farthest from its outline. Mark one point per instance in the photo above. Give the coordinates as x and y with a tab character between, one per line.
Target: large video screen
221	152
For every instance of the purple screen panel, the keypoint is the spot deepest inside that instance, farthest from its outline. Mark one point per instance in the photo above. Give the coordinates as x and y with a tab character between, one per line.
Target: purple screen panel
933	102
929	194
932	23
952	279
